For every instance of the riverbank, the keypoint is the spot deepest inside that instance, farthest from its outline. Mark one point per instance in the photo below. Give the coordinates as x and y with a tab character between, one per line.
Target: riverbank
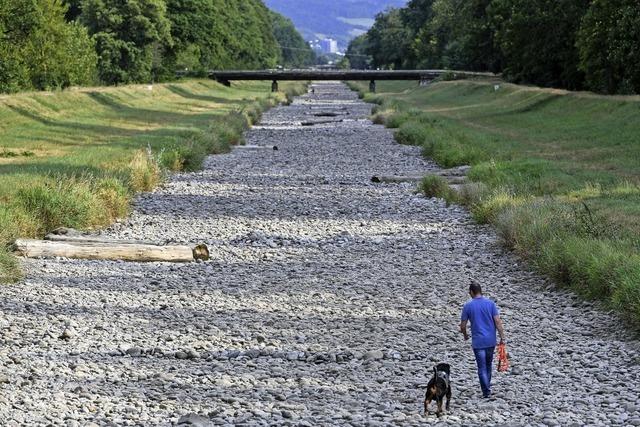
557	173
76	158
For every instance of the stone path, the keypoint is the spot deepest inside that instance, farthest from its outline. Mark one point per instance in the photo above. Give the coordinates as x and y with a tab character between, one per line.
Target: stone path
328	300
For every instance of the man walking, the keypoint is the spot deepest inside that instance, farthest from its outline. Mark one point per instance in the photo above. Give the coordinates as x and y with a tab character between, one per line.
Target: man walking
485	320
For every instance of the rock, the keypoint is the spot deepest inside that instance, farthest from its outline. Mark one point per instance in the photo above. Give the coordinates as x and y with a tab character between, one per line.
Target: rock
194	420
67	334
373	355
134	351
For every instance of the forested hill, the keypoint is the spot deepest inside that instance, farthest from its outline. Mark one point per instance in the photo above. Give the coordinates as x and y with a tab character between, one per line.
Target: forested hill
339	19
49	44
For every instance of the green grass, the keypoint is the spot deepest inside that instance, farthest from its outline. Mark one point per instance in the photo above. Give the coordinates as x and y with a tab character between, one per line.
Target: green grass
557	173
76	158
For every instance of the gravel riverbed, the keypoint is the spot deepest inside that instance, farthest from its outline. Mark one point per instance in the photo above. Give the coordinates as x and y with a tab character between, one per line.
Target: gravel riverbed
327	301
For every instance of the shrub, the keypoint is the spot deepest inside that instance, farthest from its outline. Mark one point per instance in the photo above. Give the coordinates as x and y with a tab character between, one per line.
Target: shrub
412	133
145	171
9	267
488	210
395	120
473	193
436	186
59	203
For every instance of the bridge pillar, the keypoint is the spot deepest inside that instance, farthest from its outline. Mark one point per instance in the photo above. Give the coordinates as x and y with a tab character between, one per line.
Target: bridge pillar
372	86
274	86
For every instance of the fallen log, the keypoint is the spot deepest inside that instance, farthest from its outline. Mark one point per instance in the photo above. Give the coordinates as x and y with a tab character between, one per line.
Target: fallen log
109	251
320	122
88	239
396	179
328	114
257	147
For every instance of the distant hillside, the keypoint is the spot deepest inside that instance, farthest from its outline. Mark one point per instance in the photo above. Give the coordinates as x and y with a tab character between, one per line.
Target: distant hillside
339	19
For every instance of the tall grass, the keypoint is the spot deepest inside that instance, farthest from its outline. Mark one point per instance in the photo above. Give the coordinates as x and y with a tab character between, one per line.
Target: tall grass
555	172
77	158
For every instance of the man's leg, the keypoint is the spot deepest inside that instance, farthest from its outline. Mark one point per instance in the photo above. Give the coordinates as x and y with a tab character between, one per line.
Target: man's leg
481	361
489	365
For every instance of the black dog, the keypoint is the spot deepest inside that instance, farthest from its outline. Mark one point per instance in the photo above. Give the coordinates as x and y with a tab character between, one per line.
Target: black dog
439	386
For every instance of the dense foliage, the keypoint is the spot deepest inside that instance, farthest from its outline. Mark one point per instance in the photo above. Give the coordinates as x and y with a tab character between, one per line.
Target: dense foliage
53	44
574	44
295	51
39	49
129	34
220	34
609	43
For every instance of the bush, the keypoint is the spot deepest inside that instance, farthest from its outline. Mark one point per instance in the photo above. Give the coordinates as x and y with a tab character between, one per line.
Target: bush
9	267
395	120
145	171
59	203
436	186
473	193
412	133
114	199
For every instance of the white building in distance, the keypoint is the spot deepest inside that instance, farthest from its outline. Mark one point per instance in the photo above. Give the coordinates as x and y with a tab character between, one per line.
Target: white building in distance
329	46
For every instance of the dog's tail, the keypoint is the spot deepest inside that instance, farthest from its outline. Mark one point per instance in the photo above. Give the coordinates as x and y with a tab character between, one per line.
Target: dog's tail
435	371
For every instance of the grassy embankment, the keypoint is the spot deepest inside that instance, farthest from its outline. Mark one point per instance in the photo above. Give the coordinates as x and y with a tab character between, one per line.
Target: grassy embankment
557	174
76	158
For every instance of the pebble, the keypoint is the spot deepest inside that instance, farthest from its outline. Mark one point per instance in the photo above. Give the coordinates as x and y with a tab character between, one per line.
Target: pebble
328	299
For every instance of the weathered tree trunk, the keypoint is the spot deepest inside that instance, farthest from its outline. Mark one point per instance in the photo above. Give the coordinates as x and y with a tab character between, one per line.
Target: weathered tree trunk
88	239
256	147
320	122
125	251
396	179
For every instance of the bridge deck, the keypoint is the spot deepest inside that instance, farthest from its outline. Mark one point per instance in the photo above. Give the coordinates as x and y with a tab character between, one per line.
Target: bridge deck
283	75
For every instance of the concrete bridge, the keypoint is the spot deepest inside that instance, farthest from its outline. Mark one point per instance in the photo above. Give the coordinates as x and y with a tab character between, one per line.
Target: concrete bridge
422	76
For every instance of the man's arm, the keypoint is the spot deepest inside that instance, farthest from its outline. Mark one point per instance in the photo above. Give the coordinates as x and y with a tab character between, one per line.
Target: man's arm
499	327
463	329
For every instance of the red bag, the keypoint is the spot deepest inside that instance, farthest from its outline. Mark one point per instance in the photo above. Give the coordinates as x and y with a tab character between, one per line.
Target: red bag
503	358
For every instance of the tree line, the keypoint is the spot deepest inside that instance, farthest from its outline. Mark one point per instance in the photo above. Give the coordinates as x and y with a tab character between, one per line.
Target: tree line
54	44
572	44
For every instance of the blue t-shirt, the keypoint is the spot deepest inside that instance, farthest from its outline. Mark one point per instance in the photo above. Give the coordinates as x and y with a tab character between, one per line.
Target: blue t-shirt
480	312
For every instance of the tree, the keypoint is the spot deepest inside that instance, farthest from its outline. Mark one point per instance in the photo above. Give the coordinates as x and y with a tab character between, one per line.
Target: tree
18	18
415	16
220	34
40	50
388	41
537	39
609	46
459	36
129	35
357	53
74	9
295	52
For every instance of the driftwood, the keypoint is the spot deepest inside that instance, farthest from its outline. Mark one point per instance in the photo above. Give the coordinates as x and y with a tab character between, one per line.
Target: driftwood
320	122
88	239
454	176
396	179
257	147
329	114
84	248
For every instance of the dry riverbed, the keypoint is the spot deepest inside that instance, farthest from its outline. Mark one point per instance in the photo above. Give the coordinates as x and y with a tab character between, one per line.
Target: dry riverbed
327	301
